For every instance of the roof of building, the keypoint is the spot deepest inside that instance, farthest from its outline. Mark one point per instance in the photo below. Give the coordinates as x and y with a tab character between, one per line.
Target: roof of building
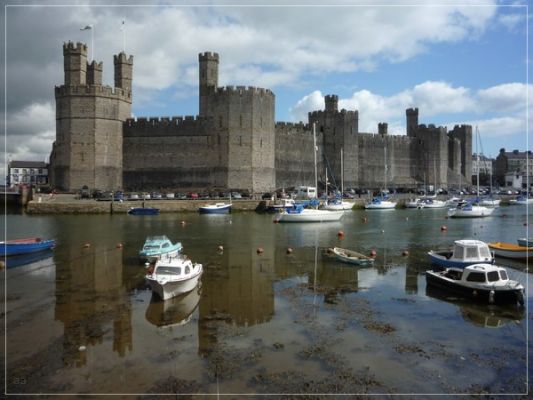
515	154
27	164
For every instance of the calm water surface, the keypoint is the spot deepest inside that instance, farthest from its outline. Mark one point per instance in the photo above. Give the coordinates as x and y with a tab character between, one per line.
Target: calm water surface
82	320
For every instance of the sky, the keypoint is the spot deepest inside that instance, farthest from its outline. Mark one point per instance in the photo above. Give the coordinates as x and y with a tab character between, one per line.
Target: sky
459	62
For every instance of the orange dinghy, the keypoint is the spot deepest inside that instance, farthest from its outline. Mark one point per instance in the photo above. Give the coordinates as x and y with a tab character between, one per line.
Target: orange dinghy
511	250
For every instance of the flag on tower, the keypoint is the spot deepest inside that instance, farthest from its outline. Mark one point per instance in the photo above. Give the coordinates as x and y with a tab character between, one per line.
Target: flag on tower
123	25
87	27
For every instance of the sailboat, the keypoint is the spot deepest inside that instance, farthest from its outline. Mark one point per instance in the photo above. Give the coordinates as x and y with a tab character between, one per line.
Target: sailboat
490	201
382	202
431	201
338	203
301	214
468	209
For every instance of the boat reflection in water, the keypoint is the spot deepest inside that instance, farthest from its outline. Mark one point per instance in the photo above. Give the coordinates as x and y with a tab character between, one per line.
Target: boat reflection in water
175	311
25	259
486	316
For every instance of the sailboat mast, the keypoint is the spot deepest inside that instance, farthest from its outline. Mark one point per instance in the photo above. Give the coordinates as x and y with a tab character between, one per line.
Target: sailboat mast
314	152
477	158
385	172
342	175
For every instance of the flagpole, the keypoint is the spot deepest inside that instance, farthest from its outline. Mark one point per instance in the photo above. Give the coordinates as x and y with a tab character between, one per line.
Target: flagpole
123	36
92	43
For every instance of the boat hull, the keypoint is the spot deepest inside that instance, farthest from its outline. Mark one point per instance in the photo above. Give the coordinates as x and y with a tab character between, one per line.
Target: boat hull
215	210
308	215
167	289
174	312
351	257
157	256
510	250
443	259
474	212
501	296
384	205
143	211
25	246
525	242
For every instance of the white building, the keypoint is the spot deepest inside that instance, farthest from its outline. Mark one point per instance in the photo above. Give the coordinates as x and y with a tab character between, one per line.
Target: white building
33	173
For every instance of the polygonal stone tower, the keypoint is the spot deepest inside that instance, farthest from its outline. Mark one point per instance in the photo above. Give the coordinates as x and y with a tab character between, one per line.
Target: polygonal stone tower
208	79
89	119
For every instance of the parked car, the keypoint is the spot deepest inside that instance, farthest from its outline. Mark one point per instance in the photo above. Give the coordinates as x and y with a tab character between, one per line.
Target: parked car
105	196
267	196
156	196
169	196
85	193
181	196
134	196
146	196
118	195
236	195
193	196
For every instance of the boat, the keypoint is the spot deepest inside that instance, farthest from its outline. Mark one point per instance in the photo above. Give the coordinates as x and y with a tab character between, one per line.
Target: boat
521	200
526	242
156	247
350	256
172	276
25	246
173	312
511	250
465	252
486	283
414	203
143	211
301	214
218	208
382	202
465	209
429	202
282	204
25	259
338	204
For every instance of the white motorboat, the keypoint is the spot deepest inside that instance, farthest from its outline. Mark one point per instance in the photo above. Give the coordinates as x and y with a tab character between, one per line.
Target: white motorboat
414	203
338	205
521	200
172	276
469	210
156	247
173	312
482	282
465	252
378	203
218	208
430	202
489	202
300	214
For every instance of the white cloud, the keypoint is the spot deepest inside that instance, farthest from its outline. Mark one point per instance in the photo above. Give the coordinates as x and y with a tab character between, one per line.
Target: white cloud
311	102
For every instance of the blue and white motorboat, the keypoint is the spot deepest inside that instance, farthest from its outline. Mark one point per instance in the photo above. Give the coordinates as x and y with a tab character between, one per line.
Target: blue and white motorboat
338	204
301	214
283	204
172	276
380	203
218	208
143	211
25	246
525	242
464	253
466	209
521	200
156	247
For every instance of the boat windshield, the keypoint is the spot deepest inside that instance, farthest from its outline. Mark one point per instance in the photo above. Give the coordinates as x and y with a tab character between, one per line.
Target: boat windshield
484	252
476	277
471	252
493	276
151	247
168	270
503	275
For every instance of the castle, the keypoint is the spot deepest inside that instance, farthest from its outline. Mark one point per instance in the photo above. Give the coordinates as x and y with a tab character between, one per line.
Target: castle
234	142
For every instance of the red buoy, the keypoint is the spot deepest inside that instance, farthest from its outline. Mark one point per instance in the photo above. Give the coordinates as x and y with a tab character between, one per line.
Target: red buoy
340	234
405	253
373	253
289	250
443	228
119	245
259	250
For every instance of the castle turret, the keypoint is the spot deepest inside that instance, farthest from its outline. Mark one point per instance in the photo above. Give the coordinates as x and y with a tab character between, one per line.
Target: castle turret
412	121
123	71
94	73
75	63
383	128
332	103
208	79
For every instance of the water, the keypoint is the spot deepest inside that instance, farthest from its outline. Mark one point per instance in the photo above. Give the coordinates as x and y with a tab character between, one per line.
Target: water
82	320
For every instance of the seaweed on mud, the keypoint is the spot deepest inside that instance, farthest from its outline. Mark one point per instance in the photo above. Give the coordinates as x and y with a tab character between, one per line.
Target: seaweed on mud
172	385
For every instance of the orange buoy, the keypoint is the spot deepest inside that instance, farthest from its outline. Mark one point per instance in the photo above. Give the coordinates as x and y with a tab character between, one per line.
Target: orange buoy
86	245
443	228
405	253
119	245
289	250
340	234
275	221
259	250
373	253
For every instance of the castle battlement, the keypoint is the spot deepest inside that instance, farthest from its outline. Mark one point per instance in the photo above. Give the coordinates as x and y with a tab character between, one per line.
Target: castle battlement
243	90
432	127
379	139
122	58
95	64
208	56
170	121
291	128
93	90
71	47
320	113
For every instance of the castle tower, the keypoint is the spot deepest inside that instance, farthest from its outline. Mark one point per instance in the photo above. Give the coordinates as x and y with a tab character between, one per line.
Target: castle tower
123	71
75	63
94	73
332	103
89	118
208	63
383	128
412	121
339	131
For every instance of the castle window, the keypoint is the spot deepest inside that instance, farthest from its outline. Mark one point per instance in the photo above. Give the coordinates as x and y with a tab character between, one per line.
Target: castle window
351	130
240	121
240	140
261	143
220	121
322	129
261	122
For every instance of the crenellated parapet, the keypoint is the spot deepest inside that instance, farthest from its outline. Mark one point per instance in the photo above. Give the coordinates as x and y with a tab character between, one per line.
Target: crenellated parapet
93	90
375	139
243	91
188	125
293	128
74	48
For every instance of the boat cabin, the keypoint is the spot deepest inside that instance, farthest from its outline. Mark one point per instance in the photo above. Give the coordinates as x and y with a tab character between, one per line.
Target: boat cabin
471	250
156	243
479	273
306	192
